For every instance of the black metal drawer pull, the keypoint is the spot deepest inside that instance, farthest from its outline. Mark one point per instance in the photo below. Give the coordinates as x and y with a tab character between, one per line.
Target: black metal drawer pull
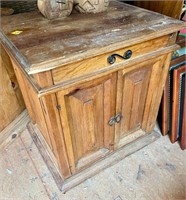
112	58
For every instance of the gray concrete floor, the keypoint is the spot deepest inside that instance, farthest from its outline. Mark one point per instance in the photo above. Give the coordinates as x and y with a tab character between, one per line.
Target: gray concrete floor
156	172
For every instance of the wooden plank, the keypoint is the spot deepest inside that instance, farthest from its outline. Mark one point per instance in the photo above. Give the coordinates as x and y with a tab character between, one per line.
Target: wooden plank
32	101
44	79
56	139
12	131
11	100
110	88
165	109
24	90
169	8
8	65
44	44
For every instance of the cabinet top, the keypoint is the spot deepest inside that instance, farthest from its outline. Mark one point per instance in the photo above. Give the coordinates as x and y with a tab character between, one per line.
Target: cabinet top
39	44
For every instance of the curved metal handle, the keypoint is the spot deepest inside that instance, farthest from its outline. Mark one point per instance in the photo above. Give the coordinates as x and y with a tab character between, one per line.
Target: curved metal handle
118	118
112	58
111	122
115	119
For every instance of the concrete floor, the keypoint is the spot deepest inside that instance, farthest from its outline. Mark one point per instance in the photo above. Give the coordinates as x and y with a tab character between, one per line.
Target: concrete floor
156	172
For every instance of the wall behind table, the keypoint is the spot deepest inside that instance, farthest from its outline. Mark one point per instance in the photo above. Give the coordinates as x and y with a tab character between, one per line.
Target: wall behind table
169	8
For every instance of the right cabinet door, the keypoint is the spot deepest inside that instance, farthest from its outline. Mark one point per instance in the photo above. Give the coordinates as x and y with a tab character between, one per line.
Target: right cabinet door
139	90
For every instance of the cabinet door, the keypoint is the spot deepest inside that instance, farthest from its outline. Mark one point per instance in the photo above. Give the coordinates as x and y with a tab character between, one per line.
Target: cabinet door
139	90
85	112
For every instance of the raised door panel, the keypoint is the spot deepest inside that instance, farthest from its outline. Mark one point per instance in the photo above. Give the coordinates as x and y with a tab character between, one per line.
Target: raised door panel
132	91
87	110
139	93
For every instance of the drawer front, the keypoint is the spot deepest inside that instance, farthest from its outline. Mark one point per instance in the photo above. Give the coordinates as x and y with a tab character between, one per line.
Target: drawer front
91	65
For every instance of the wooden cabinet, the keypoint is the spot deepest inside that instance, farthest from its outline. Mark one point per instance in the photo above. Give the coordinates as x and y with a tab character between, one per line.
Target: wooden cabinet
92	92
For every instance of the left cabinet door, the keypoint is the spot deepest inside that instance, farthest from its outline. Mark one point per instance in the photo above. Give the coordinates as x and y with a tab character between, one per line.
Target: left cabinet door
85	110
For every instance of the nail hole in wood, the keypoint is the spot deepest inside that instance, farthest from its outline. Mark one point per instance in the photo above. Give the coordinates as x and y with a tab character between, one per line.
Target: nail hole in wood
14	136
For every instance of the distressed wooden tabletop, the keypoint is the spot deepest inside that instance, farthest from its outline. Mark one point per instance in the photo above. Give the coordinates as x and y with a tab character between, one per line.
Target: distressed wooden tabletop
40	44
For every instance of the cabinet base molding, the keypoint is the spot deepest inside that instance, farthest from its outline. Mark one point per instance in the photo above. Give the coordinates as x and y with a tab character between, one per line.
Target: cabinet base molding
111	159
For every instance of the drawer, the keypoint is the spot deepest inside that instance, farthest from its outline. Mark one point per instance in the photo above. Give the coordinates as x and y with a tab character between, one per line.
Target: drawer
91	65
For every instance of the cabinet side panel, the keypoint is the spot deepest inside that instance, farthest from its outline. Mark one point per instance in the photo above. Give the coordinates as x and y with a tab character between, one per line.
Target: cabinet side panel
53	123
32	103
24	90
11	100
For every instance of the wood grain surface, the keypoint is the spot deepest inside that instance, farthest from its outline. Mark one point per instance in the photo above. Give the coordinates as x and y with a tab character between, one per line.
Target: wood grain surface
85	112
44	44
126	64
166	7
91	65
72	107
11	100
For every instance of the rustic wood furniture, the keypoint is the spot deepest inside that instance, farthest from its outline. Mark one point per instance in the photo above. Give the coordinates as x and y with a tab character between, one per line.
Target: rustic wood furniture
11	100
92	85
